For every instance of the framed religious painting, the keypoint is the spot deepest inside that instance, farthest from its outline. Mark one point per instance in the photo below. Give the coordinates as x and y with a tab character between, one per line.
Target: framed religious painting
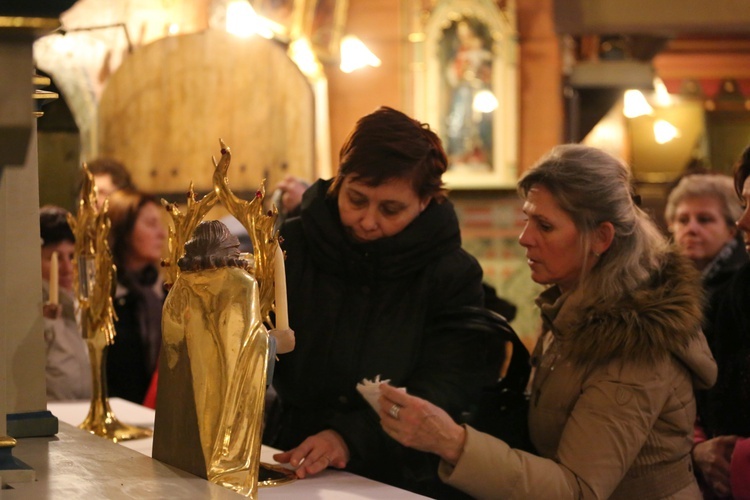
287	14
324	24
466	87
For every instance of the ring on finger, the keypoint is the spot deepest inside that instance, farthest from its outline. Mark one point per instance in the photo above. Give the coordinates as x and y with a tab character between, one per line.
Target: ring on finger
394	410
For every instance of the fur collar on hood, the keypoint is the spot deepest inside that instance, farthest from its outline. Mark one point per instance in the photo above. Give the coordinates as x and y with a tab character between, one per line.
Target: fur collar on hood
659	319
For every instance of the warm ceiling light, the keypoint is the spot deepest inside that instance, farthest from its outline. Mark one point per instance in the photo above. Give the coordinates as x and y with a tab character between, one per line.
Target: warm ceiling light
241	18
484	102
356	55
242	21
664	131
63	44
303	56
636	104
662	94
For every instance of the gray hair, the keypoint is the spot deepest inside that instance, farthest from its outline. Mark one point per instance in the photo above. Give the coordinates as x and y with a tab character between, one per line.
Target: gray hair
717	186
594	187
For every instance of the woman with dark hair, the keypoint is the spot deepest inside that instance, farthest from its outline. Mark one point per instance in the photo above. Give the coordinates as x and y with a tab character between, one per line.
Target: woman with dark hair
722	450
137	240
612	406
378	285
110	175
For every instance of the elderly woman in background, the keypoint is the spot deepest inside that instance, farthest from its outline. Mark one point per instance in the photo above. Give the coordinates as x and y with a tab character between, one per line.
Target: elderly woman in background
722	450
68	370
612	407
700	213
137	239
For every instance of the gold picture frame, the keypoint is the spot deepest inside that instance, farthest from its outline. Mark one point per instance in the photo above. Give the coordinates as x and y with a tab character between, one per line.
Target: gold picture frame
467	48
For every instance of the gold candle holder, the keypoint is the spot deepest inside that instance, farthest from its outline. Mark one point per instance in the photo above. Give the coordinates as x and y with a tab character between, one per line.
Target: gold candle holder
101	420
94	273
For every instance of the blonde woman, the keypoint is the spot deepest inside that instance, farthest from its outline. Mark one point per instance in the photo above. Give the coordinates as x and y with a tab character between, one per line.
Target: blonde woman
612	407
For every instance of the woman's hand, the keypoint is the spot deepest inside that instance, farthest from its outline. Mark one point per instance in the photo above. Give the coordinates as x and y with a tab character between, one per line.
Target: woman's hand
419	424
284	340
292	189
316	453
712	457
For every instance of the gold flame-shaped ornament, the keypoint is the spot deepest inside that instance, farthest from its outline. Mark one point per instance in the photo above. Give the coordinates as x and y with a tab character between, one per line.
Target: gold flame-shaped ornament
93	277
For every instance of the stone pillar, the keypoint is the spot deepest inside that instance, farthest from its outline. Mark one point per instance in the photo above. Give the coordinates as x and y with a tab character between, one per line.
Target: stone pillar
22	352
21	323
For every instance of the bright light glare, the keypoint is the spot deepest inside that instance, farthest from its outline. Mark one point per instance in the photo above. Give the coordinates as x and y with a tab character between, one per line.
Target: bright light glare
664	131
303	56
242	21
636	105
662	94
604	133
63	44
356	55
484	102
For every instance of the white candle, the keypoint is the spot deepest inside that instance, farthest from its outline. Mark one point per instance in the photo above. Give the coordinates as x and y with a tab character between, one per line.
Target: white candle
54	295
279	276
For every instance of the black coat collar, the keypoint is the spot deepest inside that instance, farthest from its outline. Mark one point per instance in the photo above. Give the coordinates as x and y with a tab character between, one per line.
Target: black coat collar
433	234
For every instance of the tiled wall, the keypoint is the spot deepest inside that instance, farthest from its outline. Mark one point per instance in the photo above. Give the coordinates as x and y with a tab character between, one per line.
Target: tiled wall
490	225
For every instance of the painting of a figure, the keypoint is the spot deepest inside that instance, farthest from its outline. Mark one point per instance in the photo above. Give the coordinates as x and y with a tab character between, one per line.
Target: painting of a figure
466	56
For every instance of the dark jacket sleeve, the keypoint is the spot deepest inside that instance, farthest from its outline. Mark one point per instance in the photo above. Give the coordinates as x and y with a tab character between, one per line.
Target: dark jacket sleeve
462	350
461	353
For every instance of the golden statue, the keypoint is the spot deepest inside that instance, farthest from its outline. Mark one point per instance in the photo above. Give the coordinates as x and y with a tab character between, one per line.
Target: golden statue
215	348
94	271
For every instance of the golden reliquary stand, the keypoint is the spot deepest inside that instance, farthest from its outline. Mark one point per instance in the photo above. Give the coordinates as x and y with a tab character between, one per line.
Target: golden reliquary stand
212	372
94	271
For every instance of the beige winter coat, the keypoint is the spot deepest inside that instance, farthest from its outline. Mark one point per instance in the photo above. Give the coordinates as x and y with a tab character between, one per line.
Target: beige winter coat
612	407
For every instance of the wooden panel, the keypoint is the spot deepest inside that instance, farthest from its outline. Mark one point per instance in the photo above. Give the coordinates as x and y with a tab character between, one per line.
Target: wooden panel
703	65
541	82
164	110
651	16
353	95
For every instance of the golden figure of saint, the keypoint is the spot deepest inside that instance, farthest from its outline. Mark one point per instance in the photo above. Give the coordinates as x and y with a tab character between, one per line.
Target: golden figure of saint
213	366
216	351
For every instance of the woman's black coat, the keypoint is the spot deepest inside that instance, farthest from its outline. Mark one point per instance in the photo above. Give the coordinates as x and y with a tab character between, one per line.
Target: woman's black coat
374	309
